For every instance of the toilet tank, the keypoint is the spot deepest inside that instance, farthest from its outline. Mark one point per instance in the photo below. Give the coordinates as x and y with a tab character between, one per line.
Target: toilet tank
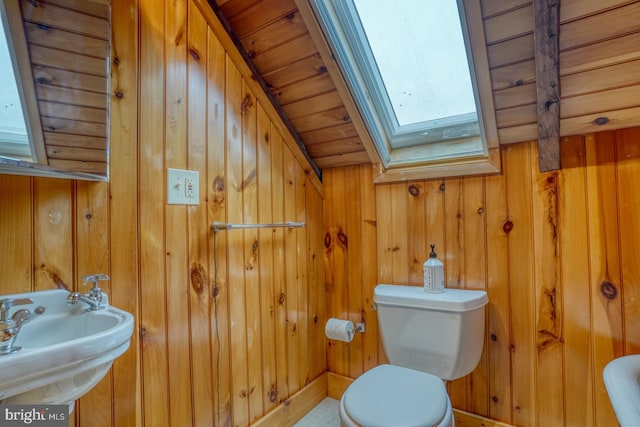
438	333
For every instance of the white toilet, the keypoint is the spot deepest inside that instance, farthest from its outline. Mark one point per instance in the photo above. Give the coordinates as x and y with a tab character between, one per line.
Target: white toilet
429	339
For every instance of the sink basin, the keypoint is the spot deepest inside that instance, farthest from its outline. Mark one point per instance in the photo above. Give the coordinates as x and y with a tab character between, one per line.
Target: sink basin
622	379
65	351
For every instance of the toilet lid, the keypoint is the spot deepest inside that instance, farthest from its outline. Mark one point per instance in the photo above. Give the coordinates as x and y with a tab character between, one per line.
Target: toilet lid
394	396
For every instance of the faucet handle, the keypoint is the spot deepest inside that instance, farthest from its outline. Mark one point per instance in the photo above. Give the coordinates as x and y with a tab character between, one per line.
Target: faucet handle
7	303
94	279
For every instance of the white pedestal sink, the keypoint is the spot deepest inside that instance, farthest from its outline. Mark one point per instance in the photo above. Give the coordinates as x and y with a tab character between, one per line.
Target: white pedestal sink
65	351
622	379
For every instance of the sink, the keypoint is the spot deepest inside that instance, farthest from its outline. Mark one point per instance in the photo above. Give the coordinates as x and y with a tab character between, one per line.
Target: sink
622	380
65	350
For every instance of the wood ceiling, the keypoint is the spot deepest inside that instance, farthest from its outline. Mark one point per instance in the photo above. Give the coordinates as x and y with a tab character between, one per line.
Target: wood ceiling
599	69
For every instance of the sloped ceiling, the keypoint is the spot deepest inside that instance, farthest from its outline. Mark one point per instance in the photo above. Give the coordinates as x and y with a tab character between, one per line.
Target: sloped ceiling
599	69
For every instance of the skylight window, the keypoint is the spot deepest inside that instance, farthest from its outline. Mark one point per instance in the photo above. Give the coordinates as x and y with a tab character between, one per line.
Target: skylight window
425	73
408	69
14	140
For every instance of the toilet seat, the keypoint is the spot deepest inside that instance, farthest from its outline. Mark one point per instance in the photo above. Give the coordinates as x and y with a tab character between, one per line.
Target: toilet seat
390	395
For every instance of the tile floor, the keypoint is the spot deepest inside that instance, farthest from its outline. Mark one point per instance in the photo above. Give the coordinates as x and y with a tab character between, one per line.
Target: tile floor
325	414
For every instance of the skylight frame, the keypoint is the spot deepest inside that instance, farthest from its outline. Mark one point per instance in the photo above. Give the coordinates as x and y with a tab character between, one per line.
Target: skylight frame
445	158
347	15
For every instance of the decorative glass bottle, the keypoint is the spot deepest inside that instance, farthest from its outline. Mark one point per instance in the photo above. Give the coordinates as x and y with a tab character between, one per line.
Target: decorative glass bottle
433	271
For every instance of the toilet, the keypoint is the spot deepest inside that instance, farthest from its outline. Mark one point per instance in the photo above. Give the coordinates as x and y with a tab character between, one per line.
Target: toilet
429	338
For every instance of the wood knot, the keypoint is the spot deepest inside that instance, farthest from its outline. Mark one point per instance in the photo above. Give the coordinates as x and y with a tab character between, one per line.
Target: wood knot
480	210
414	190
116	60
608	289
119	94
507	226
273	394
218	183
600	121
342	240
194	53
442	186
247	103
327	240
216	291
494	337
282	298
494	399
198	278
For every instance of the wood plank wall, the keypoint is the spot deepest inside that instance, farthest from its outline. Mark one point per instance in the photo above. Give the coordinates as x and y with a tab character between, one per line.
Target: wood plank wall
556	252
599	63
228	326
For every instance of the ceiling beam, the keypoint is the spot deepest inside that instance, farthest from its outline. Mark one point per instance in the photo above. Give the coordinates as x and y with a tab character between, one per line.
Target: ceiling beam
546	34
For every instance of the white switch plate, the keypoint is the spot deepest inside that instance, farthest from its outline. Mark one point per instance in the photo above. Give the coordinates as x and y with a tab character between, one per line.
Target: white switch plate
183	187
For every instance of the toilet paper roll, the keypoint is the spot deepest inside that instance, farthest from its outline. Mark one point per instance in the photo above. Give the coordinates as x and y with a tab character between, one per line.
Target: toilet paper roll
340	330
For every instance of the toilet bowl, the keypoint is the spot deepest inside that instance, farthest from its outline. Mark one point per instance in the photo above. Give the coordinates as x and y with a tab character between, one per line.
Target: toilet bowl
393	396
428	339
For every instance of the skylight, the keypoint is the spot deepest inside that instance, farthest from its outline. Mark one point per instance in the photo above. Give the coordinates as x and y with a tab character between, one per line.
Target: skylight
14	141
407	67
425	73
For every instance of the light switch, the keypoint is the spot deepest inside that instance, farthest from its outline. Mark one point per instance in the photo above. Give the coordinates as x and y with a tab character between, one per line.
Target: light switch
183	187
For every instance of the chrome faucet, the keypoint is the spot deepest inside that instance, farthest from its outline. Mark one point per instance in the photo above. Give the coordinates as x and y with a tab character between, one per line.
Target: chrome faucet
10	326
93	298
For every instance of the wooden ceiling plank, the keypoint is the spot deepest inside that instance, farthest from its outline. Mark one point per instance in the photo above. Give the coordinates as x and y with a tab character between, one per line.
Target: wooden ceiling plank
314	105
600	54
304	89
509	25
348	159
511	51
337	116
333	148
546	33
260	15
296	72
281	31
603	26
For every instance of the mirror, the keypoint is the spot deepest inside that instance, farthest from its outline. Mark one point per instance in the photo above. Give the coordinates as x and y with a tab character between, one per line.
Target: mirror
54	120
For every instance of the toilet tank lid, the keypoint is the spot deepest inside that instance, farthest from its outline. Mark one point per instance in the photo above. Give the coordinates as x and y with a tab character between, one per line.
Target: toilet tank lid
457	300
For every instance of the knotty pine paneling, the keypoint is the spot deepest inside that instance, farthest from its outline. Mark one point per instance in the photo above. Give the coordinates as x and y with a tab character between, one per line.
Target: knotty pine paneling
554	251
227	327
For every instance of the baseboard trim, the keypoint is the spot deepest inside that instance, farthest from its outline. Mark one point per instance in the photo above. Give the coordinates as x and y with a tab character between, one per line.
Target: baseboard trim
337	384
297	406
